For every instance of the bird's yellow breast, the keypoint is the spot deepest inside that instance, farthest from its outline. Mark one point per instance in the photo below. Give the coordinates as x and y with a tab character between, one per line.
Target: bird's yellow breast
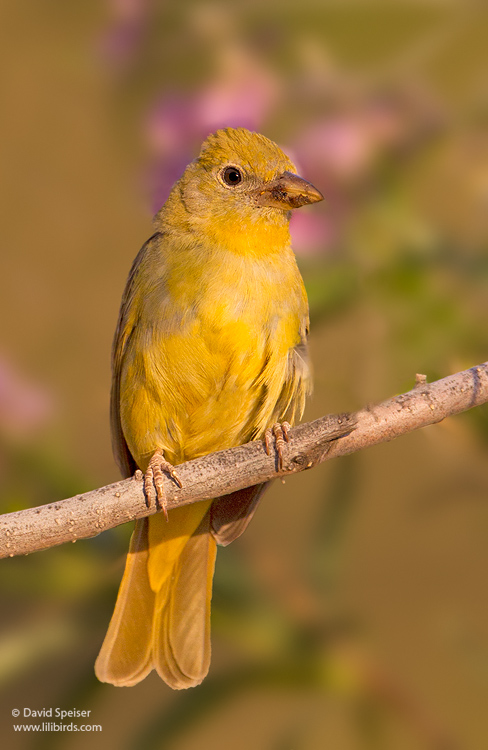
206	369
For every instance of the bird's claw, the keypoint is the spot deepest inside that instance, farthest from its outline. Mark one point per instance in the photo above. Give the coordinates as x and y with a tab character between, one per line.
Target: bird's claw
153	480
280	432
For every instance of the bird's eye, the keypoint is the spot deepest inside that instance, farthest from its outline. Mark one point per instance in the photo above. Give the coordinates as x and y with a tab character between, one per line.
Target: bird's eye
232	176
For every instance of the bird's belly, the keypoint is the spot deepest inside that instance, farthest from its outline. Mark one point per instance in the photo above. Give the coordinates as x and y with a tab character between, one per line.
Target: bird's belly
193	393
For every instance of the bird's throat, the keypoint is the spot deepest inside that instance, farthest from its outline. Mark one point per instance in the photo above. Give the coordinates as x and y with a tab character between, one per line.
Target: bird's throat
250	236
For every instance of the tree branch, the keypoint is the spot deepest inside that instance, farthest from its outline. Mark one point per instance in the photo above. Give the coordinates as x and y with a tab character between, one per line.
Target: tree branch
220	473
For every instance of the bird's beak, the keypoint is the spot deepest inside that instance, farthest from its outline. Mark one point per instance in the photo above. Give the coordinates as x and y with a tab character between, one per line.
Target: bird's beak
287	191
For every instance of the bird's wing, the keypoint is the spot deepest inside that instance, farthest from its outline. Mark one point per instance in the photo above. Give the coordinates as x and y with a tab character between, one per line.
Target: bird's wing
298	381
126	325
230	514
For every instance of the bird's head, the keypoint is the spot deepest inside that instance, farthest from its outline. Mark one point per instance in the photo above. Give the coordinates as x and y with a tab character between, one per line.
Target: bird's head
242	181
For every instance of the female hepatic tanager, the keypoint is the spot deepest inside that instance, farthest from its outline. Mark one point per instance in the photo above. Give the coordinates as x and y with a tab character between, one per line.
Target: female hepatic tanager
210	352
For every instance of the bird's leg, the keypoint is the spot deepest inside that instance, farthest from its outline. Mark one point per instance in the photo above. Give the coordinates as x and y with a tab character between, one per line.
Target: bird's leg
280	432
153	478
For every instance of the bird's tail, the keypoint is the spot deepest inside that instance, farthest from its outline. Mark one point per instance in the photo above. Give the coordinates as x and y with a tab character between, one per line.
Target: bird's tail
162	615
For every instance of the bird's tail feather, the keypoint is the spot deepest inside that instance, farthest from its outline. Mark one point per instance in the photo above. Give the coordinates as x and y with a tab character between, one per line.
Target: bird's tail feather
125	656
181	636
161	618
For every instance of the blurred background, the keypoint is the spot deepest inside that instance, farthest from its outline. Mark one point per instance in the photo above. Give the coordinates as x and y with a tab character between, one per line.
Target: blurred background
353	614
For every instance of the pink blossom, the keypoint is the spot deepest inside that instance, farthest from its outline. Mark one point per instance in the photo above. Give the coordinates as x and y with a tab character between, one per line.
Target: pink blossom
311	233
341	146
127	26
24	405
243	93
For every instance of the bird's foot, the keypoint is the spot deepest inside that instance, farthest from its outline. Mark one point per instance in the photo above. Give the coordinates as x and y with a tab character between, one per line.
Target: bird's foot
280	432
153	480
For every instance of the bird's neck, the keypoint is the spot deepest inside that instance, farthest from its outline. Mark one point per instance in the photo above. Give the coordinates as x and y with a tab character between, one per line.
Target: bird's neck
253	237
254	233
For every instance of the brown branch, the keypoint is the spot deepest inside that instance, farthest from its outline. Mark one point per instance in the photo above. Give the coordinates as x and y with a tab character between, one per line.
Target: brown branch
219	473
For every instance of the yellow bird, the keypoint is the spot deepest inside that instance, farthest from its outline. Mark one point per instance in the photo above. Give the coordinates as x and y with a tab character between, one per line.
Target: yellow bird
209	353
